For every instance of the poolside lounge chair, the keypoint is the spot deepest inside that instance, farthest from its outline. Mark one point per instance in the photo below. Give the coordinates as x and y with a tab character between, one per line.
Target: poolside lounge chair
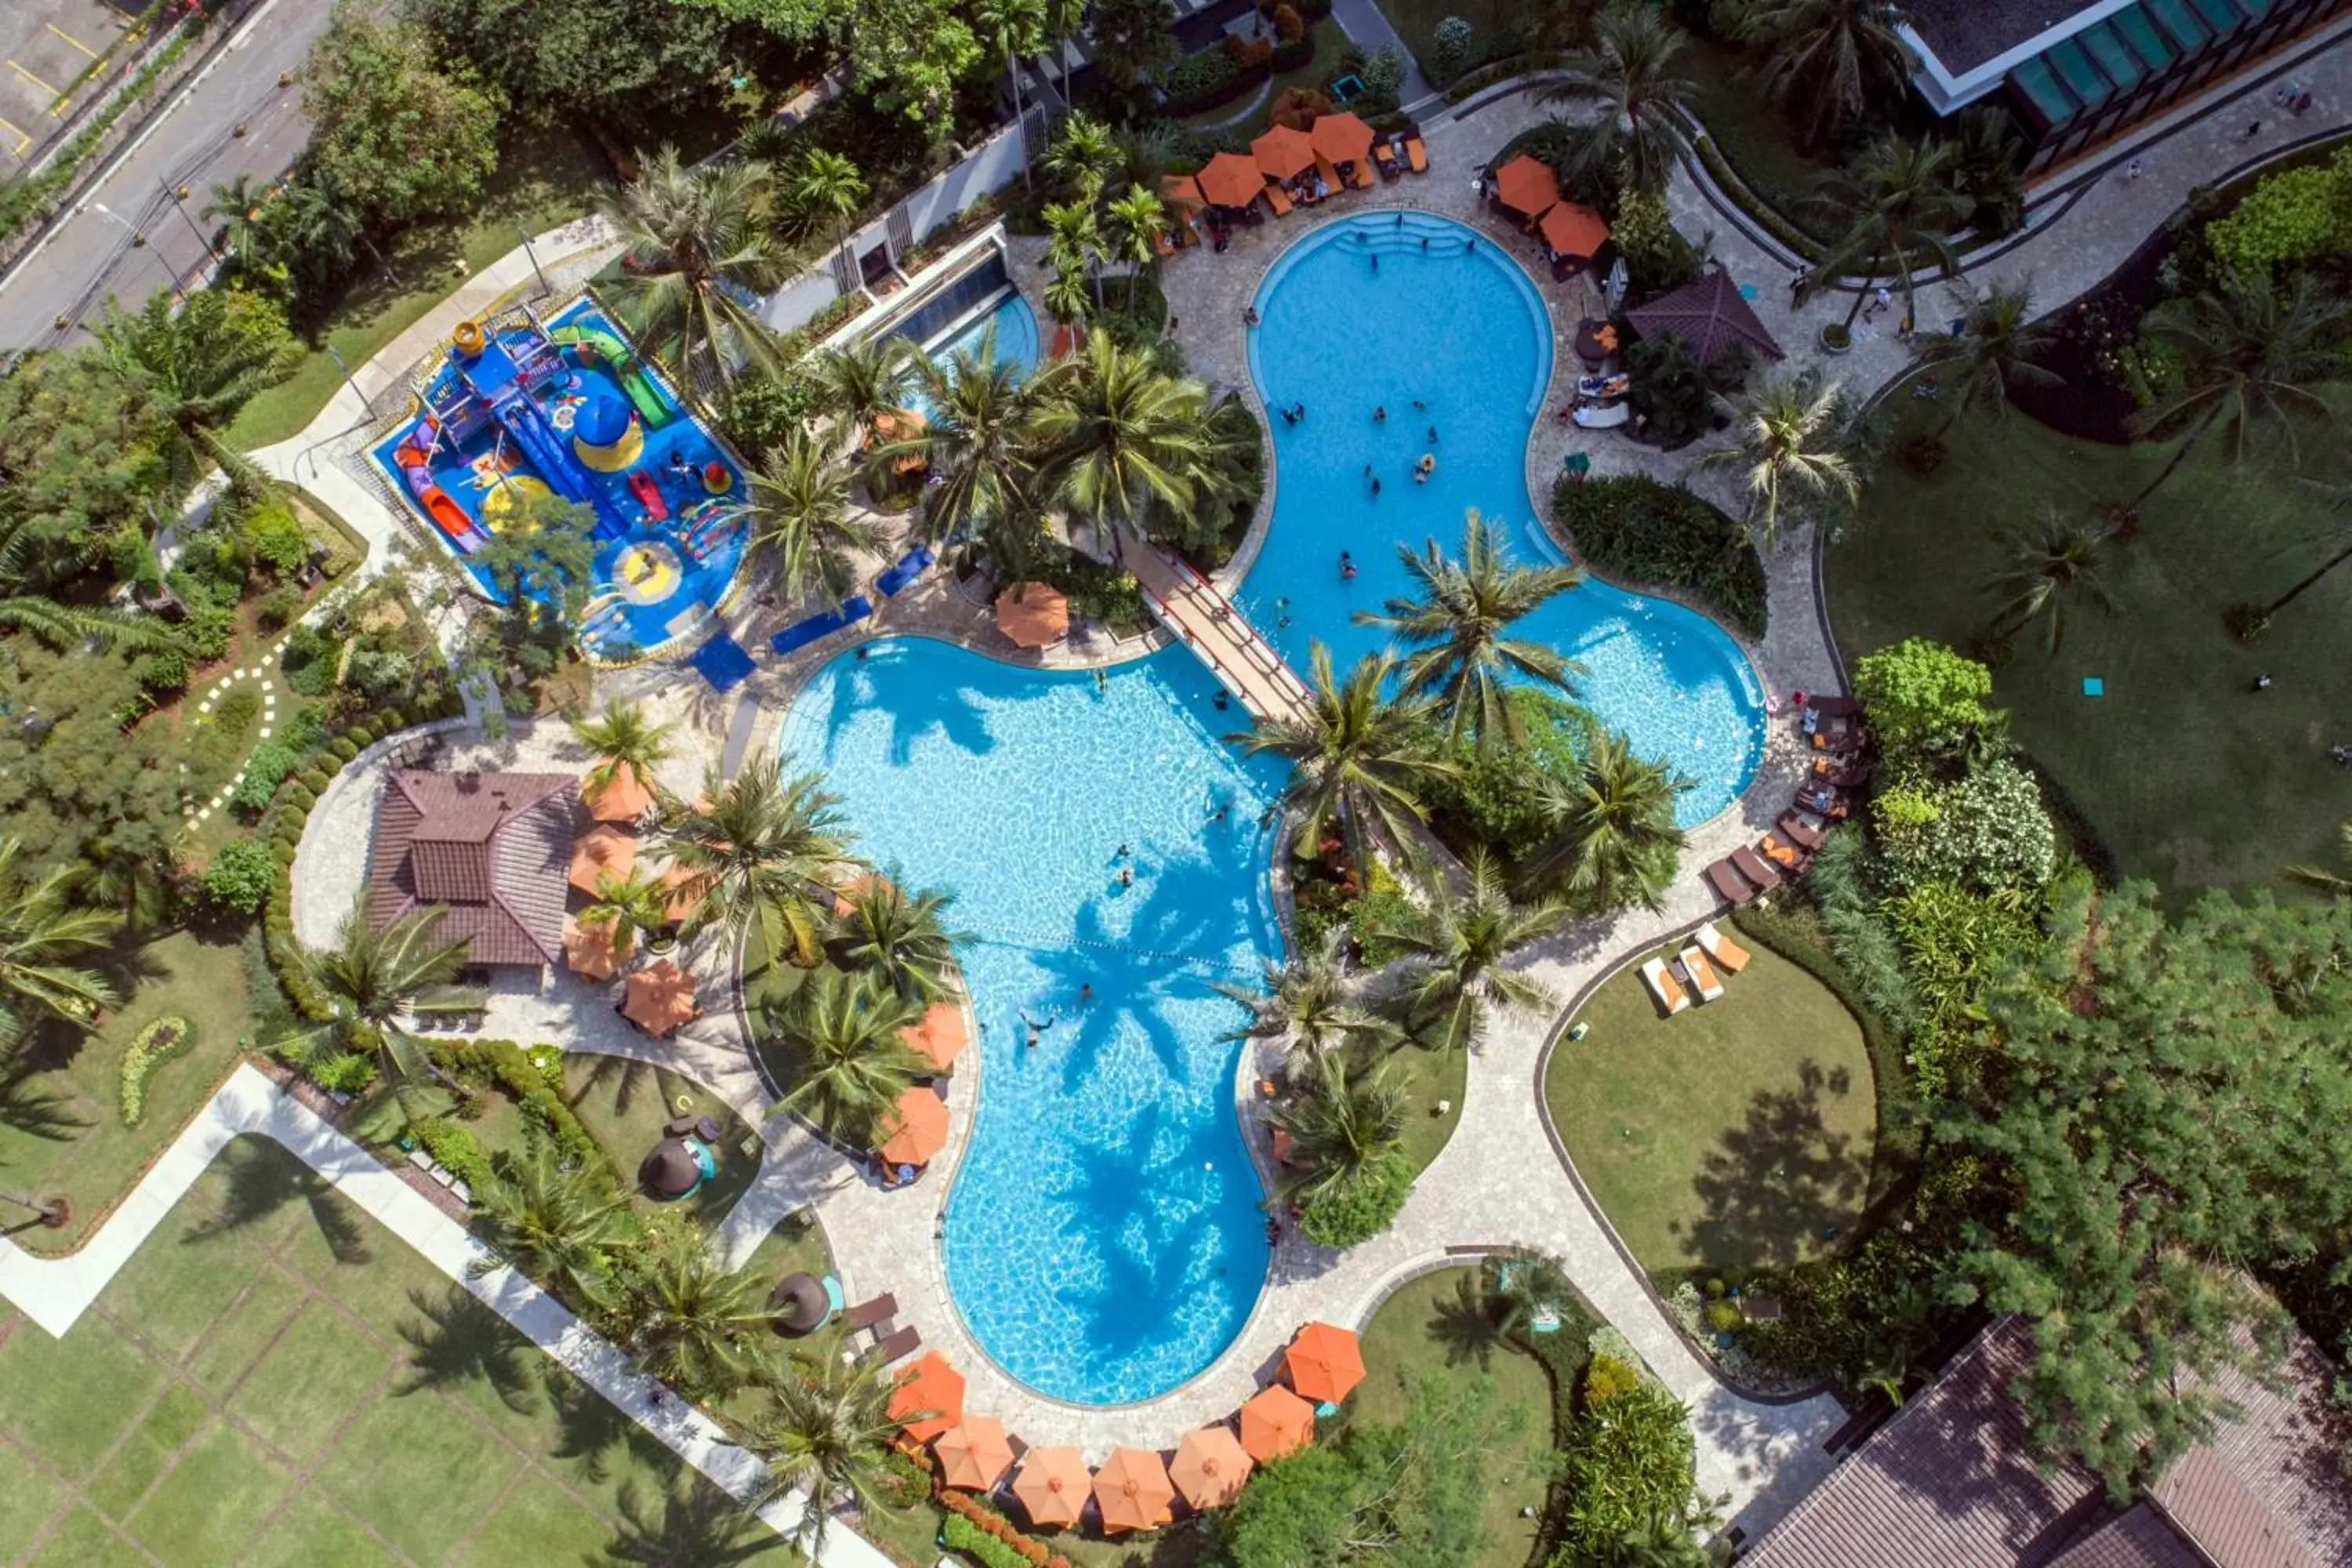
1800	832
1387	156
1703	976
1844	772
1664	986
1416	154
1726	880
1823	801
1783	854
866	1314
1752	866
1275	199
1724	953
1362	177
897	1347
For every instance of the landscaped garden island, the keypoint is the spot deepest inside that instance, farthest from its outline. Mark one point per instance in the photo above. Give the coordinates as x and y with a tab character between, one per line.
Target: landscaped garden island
1254	815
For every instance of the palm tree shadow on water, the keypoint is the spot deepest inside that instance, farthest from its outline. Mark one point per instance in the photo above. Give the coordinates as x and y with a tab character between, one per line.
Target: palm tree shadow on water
1782	1179
257	1187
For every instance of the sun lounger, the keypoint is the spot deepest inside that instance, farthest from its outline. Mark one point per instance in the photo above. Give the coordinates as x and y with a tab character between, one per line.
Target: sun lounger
1846	774
1783	854
1387	156
1799	832
1275	199
1834	707
1416	154
1664	987
896	1348
1726	954
1702	973
1362	178
1823	801
865	1314
1725	880
1751	866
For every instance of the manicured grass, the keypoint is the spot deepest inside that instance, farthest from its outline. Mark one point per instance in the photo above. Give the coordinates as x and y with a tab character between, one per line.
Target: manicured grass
1754	137
625	1104
79	1077
1416	22
1429	1077
1729	1136
321	1394
2189	776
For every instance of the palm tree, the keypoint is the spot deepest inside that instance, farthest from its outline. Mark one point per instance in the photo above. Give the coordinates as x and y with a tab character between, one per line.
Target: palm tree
2249	358
373	982
1356	755
696	253
693	1316
1138	220
800	509
199	360
1342	1126
1074	241
1988	173
861	380
1133	40
2340	496
242	208
1793	436
1084	152
976	449
1064	293
1459	945
852	1064
1829	61
1062	19
899	939
1313	1002
1896	199
23	608
826	1435
1012	29
1998	347
1454	625
627	906
1521	1283
753	847
1121	439
623	737
2047	570
2324	880
826	186
556	1225
40	934
1643	128
1613	840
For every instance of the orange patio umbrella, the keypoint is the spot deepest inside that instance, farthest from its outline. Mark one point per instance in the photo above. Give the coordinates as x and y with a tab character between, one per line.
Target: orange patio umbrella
1181	190
1211	1466
919	1128
1232	180
1527	184
622	796
1033	615
941	1037
588	949
1343	138
1052	1486
1573	230
1282	153
660	998
601	849
1275	1422
932	1386
1324	1363
1133	1490
974	1455
680	898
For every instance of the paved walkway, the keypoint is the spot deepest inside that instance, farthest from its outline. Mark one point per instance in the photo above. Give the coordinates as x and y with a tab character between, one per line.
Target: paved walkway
1367	24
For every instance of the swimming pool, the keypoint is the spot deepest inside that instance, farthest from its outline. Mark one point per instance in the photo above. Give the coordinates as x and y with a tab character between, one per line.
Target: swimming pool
1017	340
1104	1240
1442	330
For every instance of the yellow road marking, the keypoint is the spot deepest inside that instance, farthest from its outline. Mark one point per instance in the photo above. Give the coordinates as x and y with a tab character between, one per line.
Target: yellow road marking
22	140
36	81
69	38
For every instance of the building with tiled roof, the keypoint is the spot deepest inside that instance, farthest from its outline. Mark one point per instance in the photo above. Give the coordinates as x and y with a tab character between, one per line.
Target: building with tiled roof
493	849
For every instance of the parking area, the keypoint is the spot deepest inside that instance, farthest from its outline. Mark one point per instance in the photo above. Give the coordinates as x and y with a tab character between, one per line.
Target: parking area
44	47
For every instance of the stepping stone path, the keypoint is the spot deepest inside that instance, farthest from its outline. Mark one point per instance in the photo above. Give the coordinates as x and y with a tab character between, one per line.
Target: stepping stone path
191	811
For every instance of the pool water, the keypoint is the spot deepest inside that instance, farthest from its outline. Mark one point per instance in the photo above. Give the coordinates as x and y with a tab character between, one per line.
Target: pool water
1449	322
1017	342
1104	1241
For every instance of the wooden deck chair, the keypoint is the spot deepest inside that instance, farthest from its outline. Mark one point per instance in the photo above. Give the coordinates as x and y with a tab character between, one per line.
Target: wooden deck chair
1362	178
1275	199
1702	973
1727	954
1416	154
1664	987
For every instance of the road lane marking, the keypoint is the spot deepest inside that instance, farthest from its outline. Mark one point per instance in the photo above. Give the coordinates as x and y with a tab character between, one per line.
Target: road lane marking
23	139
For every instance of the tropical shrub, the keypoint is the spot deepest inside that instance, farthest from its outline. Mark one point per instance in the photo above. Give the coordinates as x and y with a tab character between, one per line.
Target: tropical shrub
158	1043
454	1149
1953	942
239	877
275	536
1986	832
264	771
1657	255
2294	214
1636	530
1923	697
1203	81
962	1535
1626	1464
346	1072
1361	1208
1449	49
1607	1378
1383	72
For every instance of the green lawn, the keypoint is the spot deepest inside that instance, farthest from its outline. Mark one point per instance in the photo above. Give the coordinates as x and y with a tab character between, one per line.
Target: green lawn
1754	137
74	1084
546	179
274	1381
2189	776
1726	1137
1416	22
1429	1077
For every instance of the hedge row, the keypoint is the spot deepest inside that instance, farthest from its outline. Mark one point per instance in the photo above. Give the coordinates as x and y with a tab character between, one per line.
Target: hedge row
1641	533
507	1067
991	1538
1210	79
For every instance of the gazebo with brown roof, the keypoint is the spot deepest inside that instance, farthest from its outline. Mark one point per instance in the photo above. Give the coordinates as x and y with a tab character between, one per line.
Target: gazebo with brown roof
491	849
1527	185
1709	314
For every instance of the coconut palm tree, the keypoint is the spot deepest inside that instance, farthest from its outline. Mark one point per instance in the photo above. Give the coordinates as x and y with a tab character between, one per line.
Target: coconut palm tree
1990	173
1342	1126
1357	756
627	905
976	448
1643	128
1227	478
825	1434
1458	946
1120	439
753	849
1138	220
900	939
373	982
1830	62
825	187
1793	436
698	1323
623	737
1312	1002
1613	839
40	935
698	253
2324	880
1454	624
241	208
2249	358
851	1064
199	360
1012	30
1898	201
860	380
2048	570
1134	40
1998	347
1520	1283
556	1225
799	507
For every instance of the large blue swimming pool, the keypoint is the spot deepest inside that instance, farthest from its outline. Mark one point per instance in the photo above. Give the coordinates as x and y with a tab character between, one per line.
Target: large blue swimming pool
1104	1240
1442	330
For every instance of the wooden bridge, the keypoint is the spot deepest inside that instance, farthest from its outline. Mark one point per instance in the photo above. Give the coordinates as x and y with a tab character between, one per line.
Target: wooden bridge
1219	635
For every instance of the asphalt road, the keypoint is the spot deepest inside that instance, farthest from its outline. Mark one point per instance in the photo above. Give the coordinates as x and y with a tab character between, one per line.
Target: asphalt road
191	143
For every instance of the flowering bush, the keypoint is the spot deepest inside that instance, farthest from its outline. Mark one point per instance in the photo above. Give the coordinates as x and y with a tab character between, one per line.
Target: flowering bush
156	1044
1987	833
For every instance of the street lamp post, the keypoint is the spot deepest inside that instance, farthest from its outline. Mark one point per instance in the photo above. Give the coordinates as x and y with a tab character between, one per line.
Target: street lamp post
353	380
179	200
533	254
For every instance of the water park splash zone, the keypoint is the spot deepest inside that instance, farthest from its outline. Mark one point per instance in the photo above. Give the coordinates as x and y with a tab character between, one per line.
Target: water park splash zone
521	410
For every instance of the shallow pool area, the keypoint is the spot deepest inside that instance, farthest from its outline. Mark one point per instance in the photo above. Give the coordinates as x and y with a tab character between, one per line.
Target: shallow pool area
1104	1240
1419	316
1017	341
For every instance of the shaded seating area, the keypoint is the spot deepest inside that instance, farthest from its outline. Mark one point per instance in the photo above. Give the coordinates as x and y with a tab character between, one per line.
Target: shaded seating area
1032	615
659	999
1833	730
914	1135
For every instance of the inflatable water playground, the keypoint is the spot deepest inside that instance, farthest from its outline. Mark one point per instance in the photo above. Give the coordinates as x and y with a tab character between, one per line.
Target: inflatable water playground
526	410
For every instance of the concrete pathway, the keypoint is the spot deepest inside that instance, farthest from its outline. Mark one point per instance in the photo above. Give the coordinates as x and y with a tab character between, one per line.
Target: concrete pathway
1369	25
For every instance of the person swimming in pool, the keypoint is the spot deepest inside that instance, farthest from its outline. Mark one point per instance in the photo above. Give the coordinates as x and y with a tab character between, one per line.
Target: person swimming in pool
1379	414
1347	564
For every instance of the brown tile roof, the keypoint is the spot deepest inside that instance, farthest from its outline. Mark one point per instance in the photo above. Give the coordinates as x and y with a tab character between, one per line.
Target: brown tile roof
2137	1538
491	848
2268	1492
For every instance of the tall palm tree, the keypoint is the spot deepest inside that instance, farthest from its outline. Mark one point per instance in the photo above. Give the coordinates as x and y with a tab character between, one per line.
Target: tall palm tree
623	737
2048	570
1312	1002
2340	496
1613	838
1454	625
698	1322
1062	19
1793	436
40	935
2249	357
1998	347
374	982
1358	754
556	1225
698	251
1074	241
825	1434
900	939
861	380
626	907
1138	220
199	360
1084	152
1458	946
976	448
1121	439
1342	1125
1643	128
1828	62
799	508
1989	173
854	1065
825	187
1012	30
1896	200
753	847
1521	1283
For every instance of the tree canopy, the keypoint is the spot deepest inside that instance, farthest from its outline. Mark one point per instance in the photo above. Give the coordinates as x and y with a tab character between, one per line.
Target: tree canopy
398	130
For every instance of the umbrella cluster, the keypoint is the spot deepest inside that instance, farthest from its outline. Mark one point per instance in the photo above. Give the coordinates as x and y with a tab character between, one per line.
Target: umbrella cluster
1528	186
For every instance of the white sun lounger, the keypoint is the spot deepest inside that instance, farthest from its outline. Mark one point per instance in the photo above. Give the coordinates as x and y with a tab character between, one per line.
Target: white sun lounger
1702	973
1664	987
1728	954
